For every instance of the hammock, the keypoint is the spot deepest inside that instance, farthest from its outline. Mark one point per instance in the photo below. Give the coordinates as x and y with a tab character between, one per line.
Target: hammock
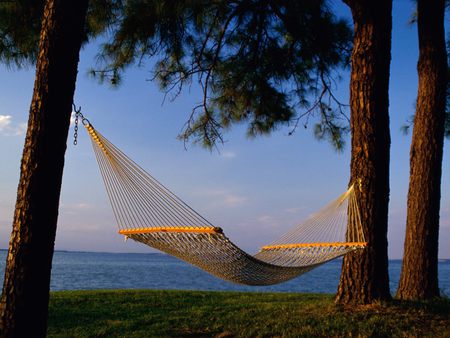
149	213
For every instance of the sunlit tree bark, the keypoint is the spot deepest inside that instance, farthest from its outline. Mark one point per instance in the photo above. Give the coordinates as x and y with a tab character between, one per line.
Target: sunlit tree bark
24	301
419	276
364	276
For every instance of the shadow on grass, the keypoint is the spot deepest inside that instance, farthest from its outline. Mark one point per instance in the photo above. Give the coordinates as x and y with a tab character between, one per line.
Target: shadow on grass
438	306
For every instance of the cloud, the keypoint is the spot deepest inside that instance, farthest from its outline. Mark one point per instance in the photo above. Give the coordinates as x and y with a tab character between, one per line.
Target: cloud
74	208
265	219
233	200
21	129
8	128
273	222
225	197
78	206
81	206
295	210
445	218
228	154
5	121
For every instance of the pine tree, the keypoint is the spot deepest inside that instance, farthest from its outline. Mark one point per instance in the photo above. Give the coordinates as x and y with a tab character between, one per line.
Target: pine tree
364	277
24	300
419	275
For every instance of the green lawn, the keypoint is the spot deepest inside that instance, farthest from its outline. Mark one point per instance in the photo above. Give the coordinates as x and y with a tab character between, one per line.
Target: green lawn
233	314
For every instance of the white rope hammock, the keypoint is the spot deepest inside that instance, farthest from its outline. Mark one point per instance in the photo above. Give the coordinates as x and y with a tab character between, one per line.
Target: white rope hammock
149	213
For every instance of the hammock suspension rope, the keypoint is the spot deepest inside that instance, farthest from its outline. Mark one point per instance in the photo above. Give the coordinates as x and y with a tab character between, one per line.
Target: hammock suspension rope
148	212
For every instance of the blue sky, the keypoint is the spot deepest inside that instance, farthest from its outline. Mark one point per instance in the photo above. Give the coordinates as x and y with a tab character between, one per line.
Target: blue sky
254	189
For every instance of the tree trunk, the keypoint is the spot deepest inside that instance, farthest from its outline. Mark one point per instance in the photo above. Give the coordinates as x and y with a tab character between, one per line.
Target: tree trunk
364	276
419	276
24	301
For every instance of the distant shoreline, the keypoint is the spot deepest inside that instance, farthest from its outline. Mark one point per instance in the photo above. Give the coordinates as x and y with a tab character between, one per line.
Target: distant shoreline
105	252
162	253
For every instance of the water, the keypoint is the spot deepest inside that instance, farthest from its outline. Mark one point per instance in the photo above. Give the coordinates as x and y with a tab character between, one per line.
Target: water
89	270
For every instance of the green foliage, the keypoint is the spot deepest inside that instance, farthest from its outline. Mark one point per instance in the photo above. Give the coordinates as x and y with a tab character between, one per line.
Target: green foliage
331	127
264	63
208	314
20	25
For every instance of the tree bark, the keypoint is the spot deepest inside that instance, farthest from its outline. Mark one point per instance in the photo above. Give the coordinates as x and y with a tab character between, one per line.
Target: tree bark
24	301
419	275
364	276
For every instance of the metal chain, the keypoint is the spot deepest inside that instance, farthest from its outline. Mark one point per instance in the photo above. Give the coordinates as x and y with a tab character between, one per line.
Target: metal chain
84	121
75	133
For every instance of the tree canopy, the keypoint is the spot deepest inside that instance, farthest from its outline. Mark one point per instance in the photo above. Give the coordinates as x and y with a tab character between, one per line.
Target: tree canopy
20	25
265	63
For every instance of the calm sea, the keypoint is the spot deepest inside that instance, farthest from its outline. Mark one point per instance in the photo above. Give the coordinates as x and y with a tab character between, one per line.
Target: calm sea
91	270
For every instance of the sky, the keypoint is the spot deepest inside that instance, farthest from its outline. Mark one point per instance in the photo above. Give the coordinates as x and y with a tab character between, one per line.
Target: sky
255	189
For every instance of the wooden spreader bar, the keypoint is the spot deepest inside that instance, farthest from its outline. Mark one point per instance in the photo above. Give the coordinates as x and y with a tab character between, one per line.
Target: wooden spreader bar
199	230
304	245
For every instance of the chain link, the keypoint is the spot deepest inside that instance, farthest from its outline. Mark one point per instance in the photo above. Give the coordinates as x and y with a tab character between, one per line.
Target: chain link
84	121
75	133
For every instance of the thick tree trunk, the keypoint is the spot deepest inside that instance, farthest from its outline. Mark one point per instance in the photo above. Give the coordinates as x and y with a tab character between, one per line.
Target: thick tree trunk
419	276
24	301
364	276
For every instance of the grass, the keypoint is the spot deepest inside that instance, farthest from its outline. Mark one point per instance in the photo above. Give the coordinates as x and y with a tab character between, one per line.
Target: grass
236	314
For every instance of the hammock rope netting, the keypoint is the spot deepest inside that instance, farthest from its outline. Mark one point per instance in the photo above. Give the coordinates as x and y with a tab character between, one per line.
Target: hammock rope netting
149	213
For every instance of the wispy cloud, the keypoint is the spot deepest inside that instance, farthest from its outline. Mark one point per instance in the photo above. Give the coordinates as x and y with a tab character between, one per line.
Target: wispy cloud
445	218
295	210
273	222
73	208
234	200
9	128
5	121
225	197
228	154
265	219
81	206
